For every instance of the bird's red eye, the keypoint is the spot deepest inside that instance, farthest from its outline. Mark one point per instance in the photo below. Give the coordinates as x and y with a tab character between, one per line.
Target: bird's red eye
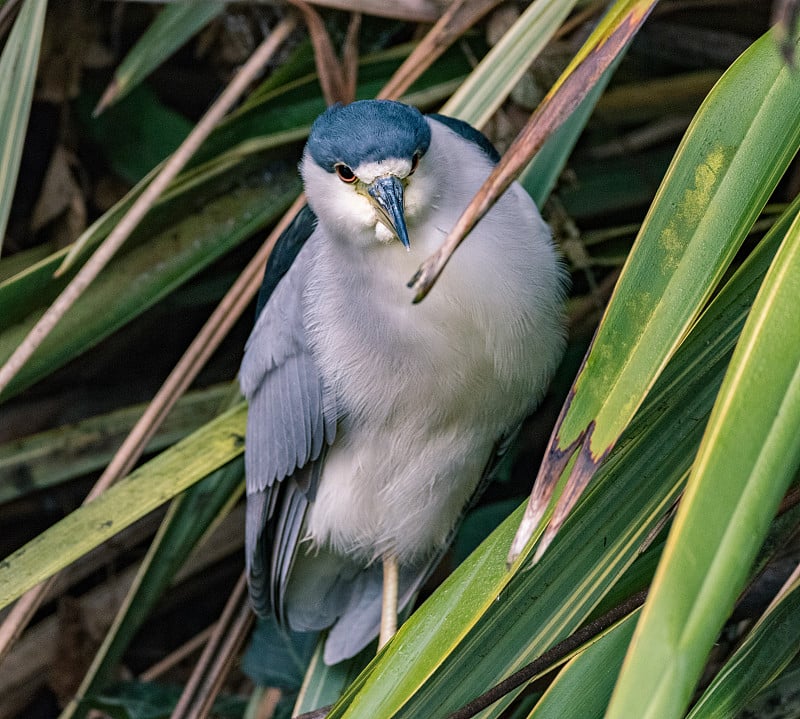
345	173
414	163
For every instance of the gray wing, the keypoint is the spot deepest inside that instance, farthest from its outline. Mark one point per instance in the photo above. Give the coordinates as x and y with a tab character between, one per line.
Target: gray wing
292	413
291	418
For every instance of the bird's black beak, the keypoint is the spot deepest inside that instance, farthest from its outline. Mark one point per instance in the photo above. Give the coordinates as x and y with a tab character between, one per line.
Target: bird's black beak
386	195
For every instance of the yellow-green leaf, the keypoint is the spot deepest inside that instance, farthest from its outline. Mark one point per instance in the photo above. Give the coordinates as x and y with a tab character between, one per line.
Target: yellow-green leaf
749	454
718	182
148	487
17	75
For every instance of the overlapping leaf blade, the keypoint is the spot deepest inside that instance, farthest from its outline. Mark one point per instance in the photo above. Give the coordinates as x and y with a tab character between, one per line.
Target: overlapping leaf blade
749	454
169	474
718	182
583	688
766	651
18	64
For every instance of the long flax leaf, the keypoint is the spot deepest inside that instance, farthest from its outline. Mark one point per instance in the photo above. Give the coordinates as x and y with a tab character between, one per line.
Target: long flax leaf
18	65
749	454
731	158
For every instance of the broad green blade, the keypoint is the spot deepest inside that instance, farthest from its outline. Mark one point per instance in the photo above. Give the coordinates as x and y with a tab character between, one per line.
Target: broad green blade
774	698
18	65
485	622
765	653
732	156
148	487
583	687
175	24
47	459
494	78
749	454
189	519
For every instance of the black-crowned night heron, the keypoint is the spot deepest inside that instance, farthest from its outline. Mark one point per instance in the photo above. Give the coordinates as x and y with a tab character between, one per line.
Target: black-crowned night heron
373	421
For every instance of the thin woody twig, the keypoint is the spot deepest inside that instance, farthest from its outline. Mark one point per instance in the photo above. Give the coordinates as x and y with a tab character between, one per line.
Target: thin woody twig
229	632
457	19
551	657
337	77
174	658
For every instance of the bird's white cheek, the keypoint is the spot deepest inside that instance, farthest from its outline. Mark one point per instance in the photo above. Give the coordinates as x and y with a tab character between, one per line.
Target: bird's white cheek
383	233
354	213
336	203
357	213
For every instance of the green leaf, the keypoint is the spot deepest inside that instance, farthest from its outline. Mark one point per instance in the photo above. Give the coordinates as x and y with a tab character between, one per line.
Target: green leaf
17	76
324	684
620	184
749	454
49	458
135	135
766	651
583	687
781	698
148	487
277	656
175	24
718	182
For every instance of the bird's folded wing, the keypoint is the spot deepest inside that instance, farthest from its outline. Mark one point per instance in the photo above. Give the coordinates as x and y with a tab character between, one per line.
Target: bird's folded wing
292	413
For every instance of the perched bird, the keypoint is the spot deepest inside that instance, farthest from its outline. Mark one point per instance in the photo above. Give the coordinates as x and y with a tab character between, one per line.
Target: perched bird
373	421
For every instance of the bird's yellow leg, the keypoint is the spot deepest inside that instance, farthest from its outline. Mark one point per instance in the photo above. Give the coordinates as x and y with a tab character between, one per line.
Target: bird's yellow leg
389	606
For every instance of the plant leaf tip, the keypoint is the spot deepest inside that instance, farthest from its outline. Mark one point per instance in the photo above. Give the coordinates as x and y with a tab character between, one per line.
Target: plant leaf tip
108	97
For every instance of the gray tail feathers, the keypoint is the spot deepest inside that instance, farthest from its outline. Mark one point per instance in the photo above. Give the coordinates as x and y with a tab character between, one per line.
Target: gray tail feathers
328	590
256	552
312	589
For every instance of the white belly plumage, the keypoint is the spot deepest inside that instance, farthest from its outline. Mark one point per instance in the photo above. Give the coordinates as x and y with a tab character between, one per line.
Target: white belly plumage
455	372
377	497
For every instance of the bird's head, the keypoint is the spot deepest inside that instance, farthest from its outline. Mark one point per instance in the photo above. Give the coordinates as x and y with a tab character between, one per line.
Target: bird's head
363	169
